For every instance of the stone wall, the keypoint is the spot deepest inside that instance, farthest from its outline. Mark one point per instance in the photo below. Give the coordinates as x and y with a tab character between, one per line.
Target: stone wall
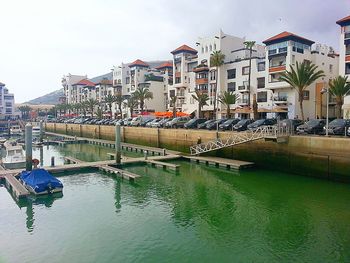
306	155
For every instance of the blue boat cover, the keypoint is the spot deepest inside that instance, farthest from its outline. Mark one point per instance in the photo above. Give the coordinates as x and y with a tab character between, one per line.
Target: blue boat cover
40	180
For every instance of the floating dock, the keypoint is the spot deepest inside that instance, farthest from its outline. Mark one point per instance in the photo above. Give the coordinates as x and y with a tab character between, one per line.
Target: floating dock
221	162
17	188
122	173
164	165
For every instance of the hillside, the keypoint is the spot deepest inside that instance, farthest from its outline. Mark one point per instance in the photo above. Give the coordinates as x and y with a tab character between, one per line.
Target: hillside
50	98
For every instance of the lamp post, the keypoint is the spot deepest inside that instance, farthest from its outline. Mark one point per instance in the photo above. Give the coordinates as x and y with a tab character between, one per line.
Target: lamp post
325	90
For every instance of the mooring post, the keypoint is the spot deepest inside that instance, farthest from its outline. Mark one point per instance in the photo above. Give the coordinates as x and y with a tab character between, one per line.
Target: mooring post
145	154
41	126
118	147
52	161
29	146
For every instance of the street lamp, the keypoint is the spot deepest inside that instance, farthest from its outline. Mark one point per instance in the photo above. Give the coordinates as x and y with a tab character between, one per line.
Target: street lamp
325	90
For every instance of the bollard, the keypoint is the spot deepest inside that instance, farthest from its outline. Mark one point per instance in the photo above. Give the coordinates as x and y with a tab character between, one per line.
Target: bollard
41	126
29	146
164	152
117	144
52	161
145	154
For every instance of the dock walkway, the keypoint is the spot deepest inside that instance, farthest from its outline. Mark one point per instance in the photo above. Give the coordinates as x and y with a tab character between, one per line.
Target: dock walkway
223	162
17	188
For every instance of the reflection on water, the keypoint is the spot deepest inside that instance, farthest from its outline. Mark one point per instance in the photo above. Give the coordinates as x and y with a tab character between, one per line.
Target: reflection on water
201	214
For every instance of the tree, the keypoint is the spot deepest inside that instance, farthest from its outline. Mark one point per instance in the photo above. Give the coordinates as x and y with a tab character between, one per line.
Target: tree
249	45
300	77
202	99
91	103
25	110
141	94
217	60
131	103
119	100
173	100
109	100
339	87
228	98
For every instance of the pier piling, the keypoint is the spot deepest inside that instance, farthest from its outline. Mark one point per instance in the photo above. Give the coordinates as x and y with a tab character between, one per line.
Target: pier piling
118	148
29	146
41	126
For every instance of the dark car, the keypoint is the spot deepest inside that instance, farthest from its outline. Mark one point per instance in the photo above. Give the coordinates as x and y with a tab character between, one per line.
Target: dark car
262	122
338	127
227	125
312	127
193	124
291	124
215	124
162	123
242	125
204	124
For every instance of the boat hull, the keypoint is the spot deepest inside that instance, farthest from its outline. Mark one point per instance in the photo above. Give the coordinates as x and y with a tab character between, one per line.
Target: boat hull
14	165
52	191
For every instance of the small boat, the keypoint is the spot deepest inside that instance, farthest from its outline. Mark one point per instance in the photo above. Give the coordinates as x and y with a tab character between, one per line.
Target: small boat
15	130
36	131
14	156
39	181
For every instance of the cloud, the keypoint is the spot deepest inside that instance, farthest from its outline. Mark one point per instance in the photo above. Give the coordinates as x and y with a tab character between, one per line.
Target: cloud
42	40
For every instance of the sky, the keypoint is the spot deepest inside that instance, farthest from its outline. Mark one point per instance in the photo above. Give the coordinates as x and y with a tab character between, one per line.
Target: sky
42	40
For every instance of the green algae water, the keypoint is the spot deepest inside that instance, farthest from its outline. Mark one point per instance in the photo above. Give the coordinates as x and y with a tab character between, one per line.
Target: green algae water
201	214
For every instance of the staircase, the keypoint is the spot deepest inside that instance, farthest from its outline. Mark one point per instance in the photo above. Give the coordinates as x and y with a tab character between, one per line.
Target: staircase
264	132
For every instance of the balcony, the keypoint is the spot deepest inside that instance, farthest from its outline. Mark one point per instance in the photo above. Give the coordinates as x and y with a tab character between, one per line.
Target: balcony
242	102
177	74
277	68
277	84
347	35
243	88
180	94
201	81
280	100
347	58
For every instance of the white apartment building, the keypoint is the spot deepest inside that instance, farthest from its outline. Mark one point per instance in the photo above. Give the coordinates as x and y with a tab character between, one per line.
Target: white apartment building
67	82
282	52
7	103
344	57
192	70
153	75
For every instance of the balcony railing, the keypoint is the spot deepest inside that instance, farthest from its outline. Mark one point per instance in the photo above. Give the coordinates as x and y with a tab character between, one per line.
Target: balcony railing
347	35
281	98
242	101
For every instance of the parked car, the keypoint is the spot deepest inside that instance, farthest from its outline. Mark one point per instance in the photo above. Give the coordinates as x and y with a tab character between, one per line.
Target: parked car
215	124
204	124
140	120
177	122
338	127
259	123
228	124
193	123
312	127
145	123
152	122
292	123
242	125
163	122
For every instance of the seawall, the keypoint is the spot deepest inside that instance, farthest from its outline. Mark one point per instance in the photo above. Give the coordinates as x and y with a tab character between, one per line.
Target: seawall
315	156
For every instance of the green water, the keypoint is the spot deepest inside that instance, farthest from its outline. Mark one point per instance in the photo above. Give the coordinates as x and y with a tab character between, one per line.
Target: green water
201	214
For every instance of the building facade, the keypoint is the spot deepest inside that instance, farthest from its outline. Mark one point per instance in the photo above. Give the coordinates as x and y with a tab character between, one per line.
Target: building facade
7	103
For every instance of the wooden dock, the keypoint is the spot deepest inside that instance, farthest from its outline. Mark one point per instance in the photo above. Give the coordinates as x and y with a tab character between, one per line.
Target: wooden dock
122	173
70	160
164	165
17	188
221	162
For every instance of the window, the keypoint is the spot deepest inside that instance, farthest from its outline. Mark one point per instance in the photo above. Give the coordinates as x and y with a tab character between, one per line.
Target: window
262	96
210	48
214	46
347	68
177	80
330	68
213	87
261	66
245	70
293	59
213	75
231	86
231	74
261	83
127	80
206	49
306	94
202	50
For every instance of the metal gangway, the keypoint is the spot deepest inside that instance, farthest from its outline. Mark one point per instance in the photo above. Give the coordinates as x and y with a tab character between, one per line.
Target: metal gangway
264	132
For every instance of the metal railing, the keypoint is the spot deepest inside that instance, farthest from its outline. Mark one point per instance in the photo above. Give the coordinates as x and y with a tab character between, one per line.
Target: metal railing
240	138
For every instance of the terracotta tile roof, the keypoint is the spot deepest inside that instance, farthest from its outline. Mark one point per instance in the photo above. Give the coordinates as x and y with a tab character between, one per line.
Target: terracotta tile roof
344	21
104	82
184	48
139	63
286	36
167	64
85	82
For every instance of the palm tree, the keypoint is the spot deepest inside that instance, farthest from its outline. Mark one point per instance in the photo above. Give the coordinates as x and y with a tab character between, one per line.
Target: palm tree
109	100
338	88
300	77
228	98
91	103
141	94
217	60
131	103
202	99
119	98
173	100
25	110
249	45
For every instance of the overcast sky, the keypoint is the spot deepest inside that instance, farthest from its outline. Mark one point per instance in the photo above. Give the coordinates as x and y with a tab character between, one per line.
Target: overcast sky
40	41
